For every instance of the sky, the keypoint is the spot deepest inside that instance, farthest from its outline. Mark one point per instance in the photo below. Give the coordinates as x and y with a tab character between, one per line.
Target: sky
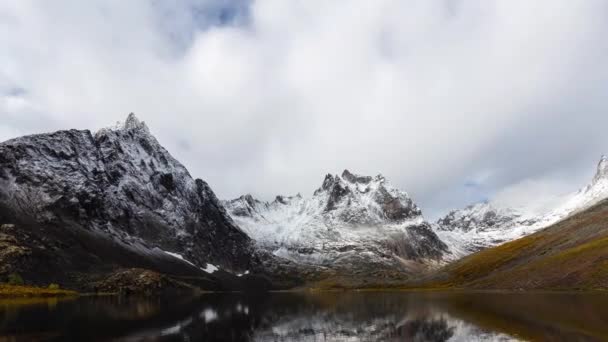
453	101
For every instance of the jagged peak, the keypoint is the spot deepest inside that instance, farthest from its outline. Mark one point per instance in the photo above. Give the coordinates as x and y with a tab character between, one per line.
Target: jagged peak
132	123
248	198
602	169
351	180
328	181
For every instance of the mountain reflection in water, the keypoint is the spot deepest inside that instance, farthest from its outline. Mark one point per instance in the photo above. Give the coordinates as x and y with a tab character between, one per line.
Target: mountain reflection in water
320	316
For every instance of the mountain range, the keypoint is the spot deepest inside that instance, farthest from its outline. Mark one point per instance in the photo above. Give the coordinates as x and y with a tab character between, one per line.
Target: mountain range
110	200
113	210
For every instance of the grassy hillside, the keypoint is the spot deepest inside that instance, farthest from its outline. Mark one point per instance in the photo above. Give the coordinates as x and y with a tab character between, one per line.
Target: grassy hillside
569	255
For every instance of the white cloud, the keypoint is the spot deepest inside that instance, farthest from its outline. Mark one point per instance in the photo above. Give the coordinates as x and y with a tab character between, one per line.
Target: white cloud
430	93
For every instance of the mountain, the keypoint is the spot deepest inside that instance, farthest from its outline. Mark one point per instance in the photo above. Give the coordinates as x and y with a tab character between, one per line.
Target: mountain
571	254
351	224
483	225
121	200
488	224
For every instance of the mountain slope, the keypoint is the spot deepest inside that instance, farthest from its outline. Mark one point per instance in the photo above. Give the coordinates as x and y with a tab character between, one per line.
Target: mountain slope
488	224
570	254
123	196
482	225
351	224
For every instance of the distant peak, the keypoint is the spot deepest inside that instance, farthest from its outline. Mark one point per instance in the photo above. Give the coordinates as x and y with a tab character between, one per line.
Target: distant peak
248	198
133	122
131	125
328	181
602	169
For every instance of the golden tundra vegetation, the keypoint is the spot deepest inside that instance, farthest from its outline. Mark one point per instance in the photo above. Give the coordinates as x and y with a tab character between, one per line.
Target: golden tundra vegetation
7	290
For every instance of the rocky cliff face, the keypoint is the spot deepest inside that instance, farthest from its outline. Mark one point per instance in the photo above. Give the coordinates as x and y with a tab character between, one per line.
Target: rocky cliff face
121	183
351	223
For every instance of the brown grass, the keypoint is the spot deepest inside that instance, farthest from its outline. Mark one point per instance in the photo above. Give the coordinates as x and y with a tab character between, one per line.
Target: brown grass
8	291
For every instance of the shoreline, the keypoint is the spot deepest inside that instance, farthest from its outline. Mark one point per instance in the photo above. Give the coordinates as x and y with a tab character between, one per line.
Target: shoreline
24	291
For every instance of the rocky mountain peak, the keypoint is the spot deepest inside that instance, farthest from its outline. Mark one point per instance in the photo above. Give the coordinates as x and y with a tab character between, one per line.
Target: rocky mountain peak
248	198
363	199
602	170
351	220
132	122
123	184
327	182
132	127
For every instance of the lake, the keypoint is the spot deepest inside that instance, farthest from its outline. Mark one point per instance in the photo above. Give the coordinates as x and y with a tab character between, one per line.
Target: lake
317	316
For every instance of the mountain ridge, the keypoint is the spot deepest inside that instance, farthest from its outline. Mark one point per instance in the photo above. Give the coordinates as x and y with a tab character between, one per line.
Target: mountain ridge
119	189
351	224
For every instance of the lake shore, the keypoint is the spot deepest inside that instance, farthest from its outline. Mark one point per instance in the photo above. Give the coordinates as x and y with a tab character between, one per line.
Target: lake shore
20	291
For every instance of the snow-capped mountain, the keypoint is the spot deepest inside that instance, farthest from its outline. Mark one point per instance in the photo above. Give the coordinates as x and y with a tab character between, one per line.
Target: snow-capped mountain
349	220
121	183
483	225
487	224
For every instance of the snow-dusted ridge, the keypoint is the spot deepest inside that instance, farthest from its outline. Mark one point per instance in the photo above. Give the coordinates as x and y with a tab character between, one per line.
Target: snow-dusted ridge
349	219
121	183
487	224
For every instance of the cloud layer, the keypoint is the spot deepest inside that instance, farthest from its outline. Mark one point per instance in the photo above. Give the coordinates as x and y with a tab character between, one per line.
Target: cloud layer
453	101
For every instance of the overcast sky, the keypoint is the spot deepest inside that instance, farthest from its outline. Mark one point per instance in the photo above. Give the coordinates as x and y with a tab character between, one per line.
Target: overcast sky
453	101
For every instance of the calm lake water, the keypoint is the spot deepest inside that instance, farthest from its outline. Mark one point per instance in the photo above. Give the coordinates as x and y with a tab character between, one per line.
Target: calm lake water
327	316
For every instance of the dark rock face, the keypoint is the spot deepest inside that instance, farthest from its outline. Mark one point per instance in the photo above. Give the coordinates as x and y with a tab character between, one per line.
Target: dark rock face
336	192
395	208
122	183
